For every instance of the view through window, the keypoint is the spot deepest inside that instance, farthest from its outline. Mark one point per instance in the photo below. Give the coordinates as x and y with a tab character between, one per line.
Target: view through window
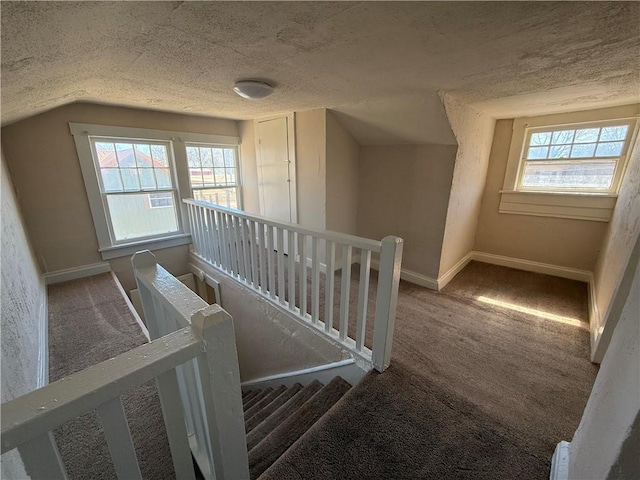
214	174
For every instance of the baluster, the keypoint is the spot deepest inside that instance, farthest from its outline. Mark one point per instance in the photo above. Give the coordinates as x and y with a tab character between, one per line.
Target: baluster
302	277
41	458
315	282
363	297
291	257
254	256
232	244
345	292
215	239
237	226
262	255
206	235
272	260
199	232
172	412
194	229
116	430
281	293
329	284
245	250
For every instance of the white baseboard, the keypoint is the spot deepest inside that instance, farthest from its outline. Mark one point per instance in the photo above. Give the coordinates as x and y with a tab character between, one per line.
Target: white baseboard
77	272
43	343
530	266
443	280
412	277
560	462
347	369
594	319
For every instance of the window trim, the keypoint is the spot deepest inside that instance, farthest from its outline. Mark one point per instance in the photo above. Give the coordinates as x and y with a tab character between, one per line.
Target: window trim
596	205
177	140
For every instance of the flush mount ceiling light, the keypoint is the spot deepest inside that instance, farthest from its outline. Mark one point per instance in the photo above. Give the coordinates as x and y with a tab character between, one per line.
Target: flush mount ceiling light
252	89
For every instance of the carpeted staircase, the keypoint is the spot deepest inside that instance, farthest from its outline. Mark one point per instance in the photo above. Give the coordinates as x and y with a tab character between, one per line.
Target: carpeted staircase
275	418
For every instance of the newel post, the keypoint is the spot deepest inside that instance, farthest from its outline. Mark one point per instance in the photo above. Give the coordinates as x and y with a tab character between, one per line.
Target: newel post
386	301
144	259
222	395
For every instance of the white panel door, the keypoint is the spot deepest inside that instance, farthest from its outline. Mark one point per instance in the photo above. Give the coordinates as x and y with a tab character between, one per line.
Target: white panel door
275	169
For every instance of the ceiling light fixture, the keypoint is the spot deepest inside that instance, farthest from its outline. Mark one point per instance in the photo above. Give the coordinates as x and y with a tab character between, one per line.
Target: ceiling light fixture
253	89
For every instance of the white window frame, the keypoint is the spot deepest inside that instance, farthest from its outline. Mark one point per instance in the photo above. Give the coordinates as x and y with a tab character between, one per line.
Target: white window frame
582	204
238	167
106	246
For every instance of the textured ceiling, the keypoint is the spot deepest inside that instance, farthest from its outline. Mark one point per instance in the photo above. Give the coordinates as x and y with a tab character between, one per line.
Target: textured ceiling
380	65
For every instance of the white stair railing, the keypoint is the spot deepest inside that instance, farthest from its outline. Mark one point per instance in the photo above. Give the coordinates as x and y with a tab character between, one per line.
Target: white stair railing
281	261
27	421
212	403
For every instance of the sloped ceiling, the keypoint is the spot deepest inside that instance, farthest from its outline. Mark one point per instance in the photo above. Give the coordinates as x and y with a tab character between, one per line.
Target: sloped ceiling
379	65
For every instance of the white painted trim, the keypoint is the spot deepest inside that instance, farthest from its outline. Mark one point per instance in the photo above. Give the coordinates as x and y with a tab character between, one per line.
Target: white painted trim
594	317
347	369
43	342
118	251
530	266
443	280
560	462
134	312
411	276
74	273
597	208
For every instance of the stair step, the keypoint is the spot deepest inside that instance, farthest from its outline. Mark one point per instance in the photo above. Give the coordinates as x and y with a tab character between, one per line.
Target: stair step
264	402
258	433
249	396
257	398
265	453
255	420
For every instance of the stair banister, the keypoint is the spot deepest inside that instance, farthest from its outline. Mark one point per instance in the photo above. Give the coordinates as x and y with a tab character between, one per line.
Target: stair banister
270	257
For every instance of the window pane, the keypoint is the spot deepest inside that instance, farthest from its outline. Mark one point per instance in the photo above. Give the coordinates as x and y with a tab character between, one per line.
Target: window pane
192	157
143	156
220	179
614	133
563	136
206	157
106	155
559	151
132	217
111	179
611	149
586	135
130	178
583	151
560	175
207	176
195	176
147	180
538	153
163	177
229	158
227	197
125	155
160	156
218	161
542	138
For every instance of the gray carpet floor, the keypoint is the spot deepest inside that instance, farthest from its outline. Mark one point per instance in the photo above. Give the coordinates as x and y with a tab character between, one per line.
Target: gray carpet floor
89	322
475	389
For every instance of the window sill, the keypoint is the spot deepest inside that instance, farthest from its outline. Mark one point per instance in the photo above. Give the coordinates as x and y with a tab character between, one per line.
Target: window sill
127	249
579	206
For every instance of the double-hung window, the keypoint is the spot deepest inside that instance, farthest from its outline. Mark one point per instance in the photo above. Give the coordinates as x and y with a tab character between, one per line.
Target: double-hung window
137	178
569	165
214	174
137	187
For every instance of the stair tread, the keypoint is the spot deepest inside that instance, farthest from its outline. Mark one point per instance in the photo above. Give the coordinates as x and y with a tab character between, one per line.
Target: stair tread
251	394
270	448
255	420
266	400
257	398
277	417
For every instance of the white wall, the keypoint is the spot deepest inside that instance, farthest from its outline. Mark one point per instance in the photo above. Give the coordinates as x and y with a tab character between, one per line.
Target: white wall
623	229
607	442
403	191
343	155
474	133
22	311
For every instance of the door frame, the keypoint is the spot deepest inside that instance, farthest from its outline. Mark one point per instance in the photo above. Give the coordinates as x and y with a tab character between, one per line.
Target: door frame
291	150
